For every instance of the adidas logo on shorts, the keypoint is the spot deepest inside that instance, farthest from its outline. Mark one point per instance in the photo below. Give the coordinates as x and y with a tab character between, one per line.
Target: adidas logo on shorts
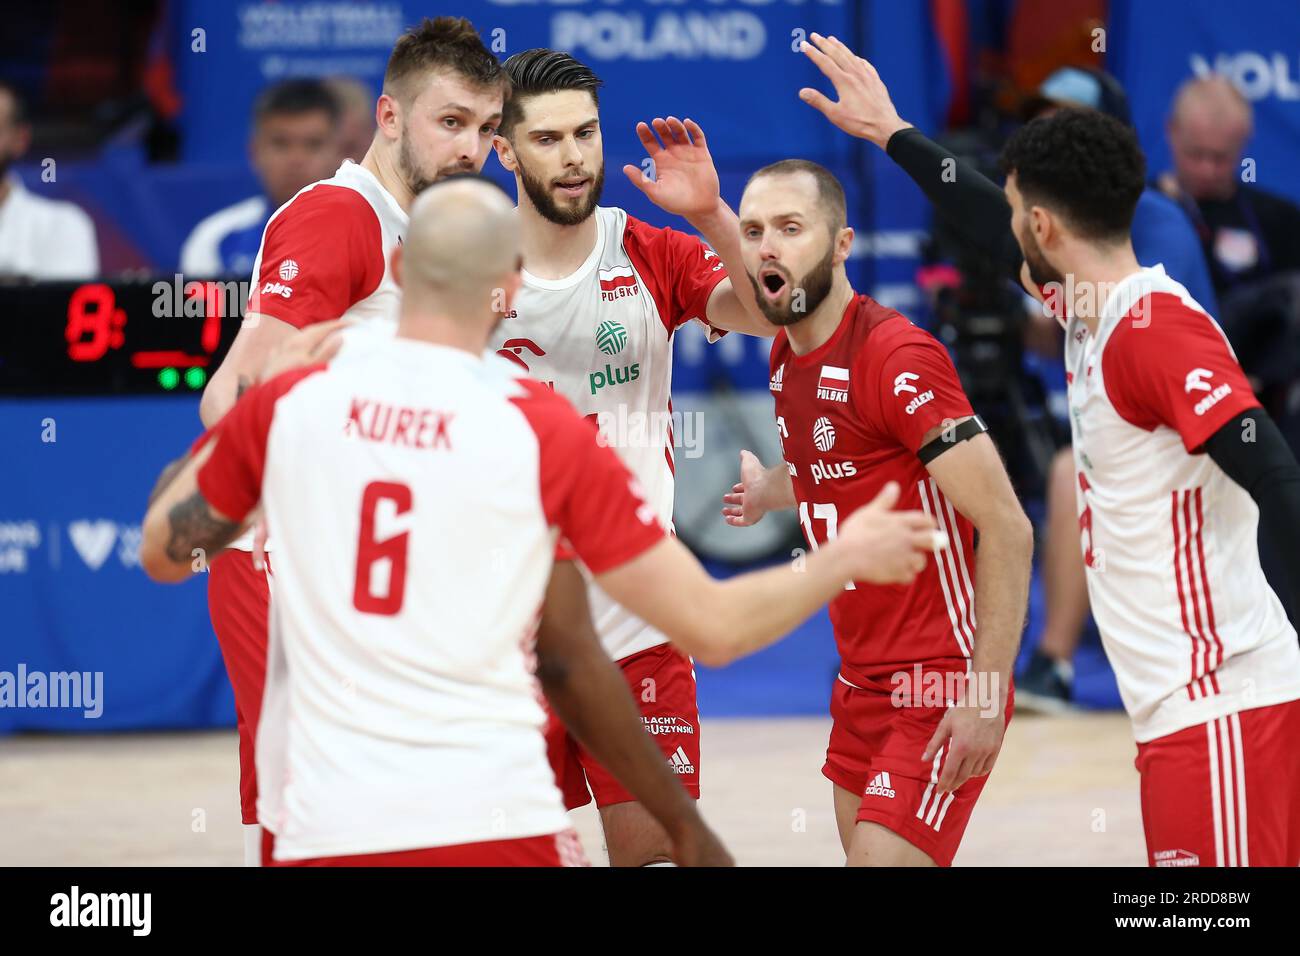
680	762
880	786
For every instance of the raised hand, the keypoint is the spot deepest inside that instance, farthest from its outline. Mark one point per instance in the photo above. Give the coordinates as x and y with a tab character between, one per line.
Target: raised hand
685	180
864	109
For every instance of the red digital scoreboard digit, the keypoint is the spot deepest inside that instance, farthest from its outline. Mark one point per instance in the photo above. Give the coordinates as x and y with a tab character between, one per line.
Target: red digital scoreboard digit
96	325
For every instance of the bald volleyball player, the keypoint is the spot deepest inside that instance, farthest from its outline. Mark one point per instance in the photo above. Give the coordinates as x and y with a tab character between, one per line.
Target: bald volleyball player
418	488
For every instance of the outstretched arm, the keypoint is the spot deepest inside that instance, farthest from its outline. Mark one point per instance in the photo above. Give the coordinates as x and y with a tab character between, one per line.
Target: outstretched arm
587	691
719	621
973	204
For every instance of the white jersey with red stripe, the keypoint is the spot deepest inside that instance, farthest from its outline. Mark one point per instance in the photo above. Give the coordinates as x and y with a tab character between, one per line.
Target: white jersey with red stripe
602	337
401	710
325	255
1188	621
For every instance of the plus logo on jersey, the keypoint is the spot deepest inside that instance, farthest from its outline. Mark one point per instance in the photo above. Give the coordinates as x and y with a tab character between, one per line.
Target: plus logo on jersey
611	337
823	434
833	384
1196	383
288	270
617	283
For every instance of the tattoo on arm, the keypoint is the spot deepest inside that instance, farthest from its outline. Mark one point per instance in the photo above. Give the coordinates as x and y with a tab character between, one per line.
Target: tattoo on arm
193	525
168	473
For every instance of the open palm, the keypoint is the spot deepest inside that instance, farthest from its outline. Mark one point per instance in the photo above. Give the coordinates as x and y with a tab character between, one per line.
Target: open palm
685	180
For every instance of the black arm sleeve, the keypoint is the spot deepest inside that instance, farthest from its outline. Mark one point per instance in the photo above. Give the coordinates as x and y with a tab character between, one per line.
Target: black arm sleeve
1267	470
972	203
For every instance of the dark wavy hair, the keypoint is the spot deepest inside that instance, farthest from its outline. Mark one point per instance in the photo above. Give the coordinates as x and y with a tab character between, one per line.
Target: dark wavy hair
1083	165
538	71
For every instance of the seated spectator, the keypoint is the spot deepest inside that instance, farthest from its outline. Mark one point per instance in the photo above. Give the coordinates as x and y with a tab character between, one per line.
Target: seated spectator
357	116
40	238
294	144
1247	233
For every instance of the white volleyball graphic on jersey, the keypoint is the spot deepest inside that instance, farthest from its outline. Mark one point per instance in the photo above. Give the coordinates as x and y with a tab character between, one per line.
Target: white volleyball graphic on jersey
611	337
823	434
288	269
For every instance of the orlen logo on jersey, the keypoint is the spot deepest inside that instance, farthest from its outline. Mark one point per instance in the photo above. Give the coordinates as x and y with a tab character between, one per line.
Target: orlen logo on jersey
901	383
1196	383
617	283
920	400
613	376
277	288
833	384
288	270
821	471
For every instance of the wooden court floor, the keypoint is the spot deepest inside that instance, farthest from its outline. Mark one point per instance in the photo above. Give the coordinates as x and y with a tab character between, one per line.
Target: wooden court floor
1064	793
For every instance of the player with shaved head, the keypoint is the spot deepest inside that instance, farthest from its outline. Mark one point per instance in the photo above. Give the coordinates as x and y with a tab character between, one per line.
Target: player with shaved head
419	486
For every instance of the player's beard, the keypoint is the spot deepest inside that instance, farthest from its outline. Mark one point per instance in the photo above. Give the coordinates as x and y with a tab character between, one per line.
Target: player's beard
816	286
417	179
1041	272
539	193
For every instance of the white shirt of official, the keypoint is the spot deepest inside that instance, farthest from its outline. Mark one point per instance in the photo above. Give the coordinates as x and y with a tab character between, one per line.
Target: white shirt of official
201	252
44	238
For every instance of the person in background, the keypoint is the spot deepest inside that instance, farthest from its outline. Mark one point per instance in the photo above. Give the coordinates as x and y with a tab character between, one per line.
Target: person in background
40	238
1247	233
295	143
356	115
977	208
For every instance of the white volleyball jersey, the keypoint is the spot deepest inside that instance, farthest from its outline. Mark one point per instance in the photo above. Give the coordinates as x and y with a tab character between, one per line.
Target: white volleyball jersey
325	255
602	338
1188	621
417	492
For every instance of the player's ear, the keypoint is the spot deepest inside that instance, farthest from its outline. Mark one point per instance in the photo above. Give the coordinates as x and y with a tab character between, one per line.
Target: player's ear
843	245
505	152
388	116
1043	225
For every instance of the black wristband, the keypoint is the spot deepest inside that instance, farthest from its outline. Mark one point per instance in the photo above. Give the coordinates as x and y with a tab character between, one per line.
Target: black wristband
950	436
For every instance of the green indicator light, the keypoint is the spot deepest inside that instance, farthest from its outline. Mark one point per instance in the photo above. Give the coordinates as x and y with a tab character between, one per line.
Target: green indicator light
168	378
195	378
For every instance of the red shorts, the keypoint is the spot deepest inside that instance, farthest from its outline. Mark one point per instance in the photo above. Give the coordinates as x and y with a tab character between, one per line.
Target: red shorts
555	849
239	604
1225	793
662	681
875	750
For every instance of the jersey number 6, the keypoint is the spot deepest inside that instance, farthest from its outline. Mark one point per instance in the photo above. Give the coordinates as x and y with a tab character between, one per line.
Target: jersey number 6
390	551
